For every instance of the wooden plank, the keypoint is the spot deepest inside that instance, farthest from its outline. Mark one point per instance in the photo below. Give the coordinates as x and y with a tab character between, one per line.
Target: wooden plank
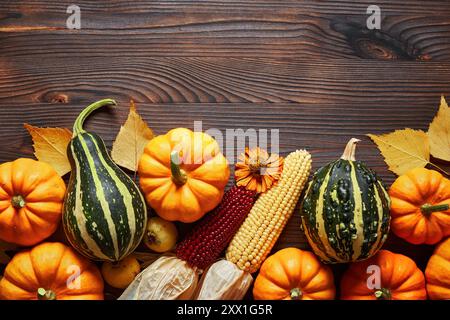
308	68
323	129
432	7
232	33
222	80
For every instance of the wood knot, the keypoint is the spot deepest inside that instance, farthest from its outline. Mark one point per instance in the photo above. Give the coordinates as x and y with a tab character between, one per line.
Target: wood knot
375	49
377	44
60	98
56	98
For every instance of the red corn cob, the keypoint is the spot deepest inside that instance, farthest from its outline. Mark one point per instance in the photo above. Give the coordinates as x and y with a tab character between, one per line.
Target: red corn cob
204	244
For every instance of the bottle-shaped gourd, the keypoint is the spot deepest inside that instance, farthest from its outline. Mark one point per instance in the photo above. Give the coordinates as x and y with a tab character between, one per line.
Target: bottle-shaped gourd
104	214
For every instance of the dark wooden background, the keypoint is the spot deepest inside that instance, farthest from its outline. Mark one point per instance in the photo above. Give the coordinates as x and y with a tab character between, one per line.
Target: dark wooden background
308	68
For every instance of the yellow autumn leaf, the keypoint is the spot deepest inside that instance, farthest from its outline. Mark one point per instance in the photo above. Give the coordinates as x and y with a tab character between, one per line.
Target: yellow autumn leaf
50	146
131	140
439	132
404	150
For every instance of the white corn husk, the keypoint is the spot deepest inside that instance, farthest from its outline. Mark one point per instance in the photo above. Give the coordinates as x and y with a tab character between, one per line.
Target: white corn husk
223	280
168	278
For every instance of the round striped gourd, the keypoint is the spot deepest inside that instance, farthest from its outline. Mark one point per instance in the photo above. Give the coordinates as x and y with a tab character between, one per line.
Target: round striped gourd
345	212
104	213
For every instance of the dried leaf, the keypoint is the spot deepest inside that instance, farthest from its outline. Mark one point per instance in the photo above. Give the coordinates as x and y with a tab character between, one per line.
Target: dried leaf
404	150
131	140
4	246
439	132
50	145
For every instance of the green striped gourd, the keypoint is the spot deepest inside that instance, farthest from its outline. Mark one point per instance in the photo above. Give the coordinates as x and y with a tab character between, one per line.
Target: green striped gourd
104	214
345	212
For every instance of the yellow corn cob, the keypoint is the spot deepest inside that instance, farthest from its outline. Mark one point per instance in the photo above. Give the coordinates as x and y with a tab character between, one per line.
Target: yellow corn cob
270	213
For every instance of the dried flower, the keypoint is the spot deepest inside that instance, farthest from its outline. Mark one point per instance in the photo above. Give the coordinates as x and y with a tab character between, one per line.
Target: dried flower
257	170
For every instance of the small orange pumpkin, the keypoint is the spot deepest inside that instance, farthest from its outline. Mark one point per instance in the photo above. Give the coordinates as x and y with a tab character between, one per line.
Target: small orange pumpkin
183	174
51	271
385	276
294	274
31	198
420	207
437	272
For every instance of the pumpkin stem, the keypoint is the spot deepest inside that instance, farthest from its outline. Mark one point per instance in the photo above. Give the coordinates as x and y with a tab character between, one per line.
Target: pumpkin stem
178	174
428	209
383	294
43	294
296	294
78	125
350	148
18	201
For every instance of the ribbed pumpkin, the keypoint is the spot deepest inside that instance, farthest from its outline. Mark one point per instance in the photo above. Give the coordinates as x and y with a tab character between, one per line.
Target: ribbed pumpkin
437	272
294	274
345	212
104	214
51	271
421	206
183	174
399	278
31	199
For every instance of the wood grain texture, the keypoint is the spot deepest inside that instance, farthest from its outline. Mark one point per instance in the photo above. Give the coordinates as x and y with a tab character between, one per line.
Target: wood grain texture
308	68
347	7
221	80
223	33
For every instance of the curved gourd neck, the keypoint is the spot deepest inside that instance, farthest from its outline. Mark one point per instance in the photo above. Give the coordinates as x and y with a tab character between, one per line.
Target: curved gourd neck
78	125
350	149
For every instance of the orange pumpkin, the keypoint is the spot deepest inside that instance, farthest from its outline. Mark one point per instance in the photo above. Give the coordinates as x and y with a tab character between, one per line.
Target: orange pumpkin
420	208
437	272
183	174
31	198
294	274
51	271
385	276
